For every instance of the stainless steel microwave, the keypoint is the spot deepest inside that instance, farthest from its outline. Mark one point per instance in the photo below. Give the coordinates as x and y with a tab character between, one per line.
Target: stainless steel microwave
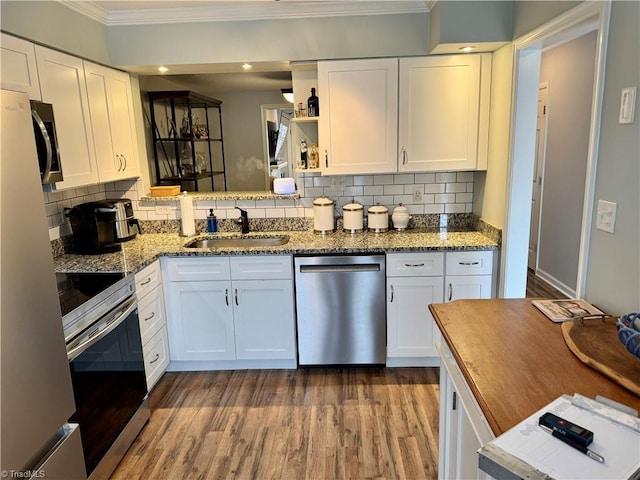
44	128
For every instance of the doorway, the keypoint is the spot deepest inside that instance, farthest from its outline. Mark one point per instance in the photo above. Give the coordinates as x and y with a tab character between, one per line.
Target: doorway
585	18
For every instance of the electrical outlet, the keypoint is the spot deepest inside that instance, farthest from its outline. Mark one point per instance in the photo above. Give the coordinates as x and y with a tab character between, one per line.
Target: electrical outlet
418	192
606	216
163	209
337	184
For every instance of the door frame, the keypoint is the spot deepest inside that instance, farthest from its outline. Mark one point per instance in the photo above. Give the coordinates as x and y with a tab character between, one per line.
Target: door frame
584	18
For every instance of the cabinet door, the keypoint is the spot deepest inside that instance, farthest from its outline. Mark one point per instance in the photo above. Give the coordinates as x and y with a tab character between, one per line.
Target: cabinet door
440	107
358	125
200	320
467	286
264	319
63	85
411	330
19	71
111	109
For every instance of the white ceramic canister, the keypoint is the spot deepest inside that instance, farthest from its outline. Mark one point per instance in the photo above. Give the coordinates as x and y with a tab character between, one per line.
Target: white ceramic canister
378	218
323	219
400	217
352	217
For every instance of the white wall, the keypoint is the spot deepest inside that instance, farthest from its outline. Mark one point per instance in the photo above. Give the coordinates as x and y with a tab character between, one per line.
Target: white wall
569	68
613	276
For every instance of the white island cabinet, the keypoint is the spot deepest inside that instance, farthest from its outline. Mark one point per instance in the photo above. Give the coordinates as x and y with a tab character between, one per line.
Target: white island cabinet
230	312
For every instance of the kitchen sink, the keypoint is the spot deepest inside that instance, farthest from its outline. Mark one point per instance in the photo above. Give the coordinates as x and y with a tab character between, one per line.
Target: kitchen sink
238	242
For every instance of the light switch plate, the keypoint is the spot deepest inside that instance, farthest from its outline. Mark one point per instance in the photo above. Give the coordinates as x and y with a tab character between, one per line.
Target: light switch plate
606	216
627	105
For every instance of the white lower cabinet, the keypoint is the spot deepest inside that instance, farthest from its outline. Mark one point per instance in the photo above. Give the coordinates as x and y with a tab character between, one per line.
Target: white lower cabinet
414	280
223	311
463	428
469	275
153	329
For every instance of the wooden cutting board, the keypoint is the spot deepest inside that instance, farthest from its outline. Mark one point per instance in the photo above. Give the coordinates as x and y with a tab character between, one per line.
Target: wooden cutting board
595	342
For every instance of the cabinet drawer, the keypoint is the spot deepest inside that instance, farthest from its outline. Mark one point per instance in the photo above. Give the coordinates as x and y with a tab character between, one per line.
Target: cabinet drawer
470	263
259	267
156	357
151	314
147	279
198	269
415	264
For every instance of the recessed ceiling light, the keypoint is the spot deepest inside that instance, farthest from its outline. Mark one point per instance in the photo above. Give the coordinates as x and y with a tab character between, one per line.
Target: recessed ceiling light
468	48
246	66
163	69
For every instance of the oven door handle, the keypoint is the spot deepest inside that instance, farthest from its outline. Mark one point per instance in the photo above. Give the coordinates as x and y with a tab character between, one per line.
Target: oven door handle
116	317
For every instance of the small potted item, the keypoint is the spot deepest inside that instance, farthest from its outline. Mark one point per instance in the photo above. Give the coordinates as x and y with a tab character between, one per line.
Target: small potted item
352	217
378	218
400	217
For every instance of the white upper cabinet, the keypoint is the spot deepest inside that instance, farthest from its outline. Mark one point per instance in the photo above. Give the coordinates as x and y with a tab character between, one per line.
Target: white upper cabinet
359	116
111	110
19	71
63	84
443	113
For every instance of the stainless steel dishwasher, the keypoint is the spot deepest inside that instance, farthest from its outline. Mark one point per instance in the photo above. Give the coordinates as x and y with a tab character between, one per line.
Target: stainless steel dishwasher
341	309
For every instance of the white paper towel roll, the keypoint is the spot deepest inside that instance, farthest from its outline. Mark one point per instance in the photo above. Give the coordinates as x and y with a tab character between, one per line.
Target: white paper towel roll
186	215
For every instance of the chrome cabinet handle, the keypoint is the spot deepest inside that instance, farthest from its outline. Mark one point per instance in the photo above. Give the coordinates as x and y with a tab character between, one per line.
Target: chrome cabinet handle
157	357
226	296
124	159
326	159
153	314
468	264
414	265
450	292
236	296
404	155
391	301
47	141
146	282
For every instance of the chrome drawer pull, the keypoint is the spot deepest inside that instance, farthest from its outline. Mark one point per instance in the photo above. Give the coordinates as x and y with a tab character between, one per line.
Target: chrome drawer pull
391	301
450	291
146	282
414	265
153	314
236	295
468	264
155	359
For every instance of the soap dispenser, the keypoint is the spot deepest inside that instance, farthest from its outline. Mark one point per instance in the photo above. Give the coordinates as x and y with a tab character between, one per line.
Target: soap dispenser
212	222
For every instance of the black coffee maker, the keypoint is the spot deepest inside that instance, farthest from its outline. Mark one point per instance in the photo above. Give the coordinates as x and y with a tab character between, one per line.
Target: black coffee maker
101	226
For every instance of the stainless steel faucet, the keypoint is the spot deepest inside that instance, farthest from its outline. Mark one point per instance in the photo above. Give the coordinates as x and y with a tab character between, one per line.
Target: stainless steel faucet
243	221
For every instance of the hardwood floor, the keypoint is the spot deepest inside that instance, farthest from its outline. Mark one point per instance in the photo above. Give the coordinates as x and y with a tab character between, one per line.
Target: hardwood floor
539	288
324	423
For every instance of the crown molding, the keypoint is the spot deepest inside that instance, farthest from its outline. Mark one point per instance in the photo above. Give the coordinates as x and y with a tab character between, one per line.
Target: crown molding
246	11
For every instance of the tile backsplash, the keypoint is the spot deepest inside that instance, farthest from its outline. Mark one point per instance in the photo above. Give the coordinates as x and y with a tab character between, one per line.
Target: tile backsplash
422	193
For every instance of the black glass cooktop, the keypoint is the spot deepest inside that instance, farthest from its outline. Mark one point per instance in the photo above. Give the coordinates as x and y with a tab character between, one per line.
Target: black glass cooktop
74	289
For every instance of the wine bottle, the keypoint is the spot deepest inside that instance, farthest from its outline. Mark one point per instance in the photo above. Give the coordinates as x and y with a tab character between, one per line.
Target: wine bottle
313	106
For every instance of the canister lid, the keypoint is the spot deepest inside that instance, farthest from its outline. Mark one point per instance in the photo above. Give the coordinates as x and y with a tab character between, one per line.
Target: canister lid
323	202
375	209
352	207
401	209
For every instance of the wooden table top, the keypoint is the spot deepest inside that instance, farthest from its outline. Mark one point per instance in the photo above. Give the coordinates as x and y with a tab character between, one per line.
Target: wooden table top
515	360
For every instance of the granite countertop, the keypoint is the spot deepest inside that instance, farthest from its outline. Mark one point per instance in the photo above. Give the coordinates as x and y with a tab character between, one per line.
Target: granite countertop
144	249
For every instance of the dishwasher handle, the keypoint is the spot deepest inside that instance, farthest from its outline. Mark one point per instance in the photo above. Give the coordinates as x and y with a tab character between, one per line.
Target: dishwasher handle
330	268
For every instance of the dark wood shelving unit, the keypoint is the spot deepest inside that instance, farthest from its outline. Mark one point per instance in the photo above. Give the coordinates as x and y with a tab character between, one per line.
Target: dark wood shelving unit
170	146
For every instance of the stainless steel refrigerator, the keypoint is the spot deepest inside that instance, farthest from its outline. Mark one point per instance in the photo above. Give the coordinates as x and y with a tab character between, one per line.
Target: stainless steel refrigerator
36	399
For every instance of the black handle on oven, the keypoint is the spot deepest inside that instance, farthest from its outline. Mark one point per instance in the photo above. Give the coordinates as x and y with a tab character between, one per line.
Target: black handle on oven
114	318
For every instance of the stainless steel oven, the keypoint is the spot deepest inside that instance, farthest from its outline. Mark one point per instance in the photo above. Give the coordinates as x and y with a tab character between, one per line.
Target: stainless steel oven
107	366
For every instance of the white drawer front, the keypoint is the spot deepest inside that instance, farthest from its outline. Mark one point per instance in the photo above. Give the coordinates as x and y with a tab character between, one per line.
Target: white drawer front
258	267
470	263
427	264
198	269
156	357
151	314
147	279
